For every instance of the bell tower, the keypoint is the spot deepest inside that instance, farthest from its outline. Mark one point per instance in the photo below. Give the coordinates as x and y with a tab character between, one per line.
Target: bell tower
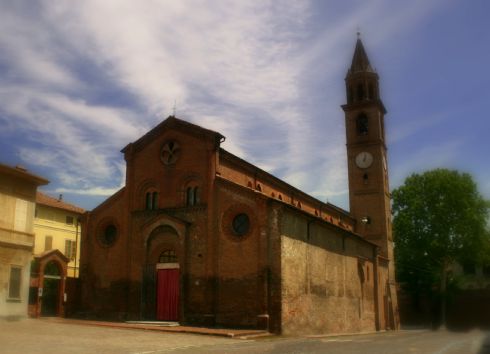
369	195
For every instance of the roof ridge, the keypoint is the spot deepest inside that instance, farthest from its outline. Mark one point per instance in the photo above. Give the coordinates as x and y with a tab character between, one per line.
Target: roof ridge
45	199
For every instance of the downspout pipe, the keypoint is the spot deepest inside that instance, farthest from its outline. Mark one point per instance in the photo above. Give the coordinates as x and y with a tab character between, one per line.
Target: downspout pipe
376	286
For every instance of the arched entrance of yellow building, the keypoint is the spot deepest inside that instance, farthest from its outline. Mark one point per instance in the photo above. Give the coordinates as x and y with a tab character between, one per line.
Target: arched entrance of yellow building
47	284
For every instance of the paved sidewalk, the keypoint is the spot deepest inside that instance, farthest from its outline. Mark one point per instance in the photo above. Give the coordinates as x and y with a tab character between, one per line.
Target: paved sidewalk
154	326
57	336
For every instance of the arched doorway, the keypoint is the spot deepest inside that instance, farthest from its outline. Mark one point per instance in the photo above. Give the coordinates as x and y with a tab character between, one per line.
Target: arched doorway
161	276
47	284
51	290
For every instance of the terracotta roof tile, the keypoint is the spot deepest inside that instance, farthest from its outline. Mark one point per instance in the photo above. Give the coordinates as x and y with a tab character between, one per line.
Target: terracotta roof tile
44	199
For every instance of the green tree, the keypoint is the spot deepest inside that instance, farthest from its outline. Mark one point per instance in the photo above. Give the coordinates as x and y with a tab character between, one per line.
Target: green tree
439	218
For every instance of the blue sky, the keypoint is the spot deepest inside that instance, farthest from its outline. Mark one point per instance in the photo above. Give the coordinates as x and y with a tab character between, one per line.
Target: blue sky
79	80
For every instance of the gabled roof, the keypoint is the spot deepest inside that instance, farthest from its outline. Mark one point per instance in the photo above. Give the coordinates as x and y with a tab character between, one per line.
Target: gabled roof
360	60
54	252
21	173
224	154
176	124
46	200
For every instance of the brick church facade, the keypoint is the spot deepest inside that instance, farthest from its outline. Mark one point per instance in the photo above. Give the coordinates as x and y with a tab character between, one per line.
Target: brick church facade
200	236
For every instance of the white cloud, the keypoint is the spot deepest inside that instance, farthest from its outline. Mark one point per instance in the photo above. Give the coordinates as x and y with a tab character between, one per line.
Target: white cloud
242	69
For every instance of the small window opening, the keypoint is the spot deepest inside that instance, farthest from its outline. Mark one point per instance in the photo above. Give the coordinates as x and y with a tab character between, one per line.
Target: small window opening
241	224
360	92
362	124
167	256
365	178
279	197
109	235
48	243
370	92
273	195
258	187
15	282
192	196
151	201
249	184
154	200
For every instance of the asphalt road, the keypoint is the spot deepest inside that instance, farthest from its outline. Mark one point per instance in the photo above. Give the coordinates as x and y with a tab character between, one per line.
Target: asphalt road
402	342
41	336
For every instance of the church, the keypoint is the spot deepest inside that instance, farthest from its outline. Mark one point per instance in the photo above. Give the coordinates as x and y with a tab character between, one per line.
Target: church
200	236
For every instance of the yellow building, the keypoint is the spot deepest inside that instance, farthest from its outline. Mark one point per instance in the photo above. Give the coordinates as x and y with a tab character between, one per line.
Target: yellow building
17	203
57	226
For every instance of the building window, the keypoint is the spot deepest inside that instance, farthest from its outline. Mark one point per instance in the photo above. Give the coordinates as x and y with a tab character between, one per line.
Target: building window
360	92
170	153
362	124
151	201
48	243
241	224
15	282
69	220
167	256
192	196
70	249
108	235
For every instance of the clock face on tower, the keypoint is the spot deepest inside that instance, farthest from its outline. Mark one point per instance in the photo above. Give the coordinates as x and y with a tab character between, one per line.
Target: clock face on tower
364	159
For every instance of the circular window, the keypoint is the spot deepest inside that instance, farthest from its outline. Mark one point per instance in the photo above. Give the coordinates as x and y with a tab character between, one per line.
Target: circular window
170	152
241	224
108	236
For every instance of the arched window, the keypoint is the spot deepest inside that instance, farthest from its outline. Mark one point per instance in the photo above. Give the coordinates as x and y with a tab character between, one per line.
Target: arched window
365	178
167	256
192	195
189	196
370	92
362	124
154	199
258	187
151	201
360	92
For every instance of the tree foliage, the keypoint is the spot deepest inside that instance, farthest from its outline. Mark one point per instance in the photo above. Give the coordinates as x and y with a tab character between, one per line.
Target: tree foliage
439	218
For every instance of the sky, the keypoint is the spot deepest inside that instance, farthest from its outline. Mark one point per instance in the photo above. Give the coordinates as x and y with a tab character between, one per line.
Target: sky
79	80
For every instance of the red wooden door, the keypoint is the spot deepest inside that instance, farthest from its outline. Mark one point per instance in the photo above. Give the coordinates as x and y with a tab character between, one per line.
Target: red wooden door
168	294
